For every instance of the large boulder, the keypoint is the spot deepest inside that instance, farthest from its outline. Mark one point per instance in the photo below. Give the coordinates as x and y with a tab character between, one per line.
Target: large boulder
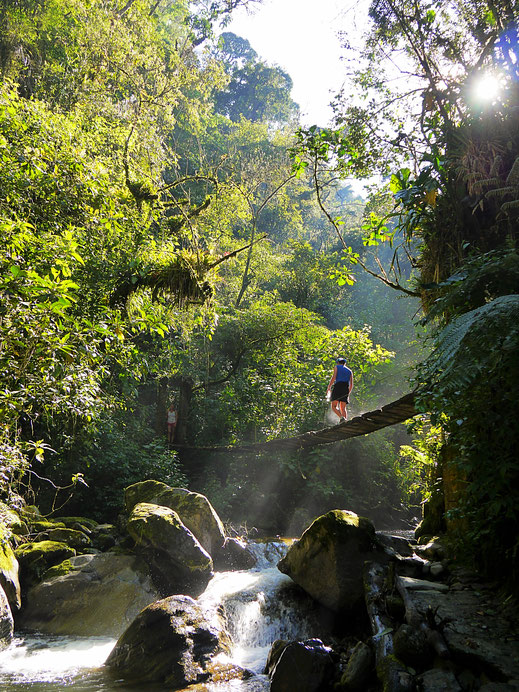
170	641
9	578
327	560
180	564
89	595
6	621
194	509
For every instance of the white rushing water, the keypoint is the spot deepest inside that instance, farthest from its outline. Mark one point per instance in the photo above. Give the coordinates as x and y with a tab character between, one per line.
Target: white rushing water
48	663
258	606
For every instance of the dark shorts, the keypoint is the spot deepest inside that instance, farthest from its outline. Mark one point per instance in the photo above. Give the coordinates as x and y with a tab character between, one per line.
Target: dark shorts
340	391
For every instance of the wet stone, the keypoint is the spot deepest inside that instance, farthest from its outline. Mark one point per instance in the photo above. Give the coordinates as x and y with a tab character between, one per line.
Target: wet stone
422	585
303	666
359	669
436	680
486	650
436	569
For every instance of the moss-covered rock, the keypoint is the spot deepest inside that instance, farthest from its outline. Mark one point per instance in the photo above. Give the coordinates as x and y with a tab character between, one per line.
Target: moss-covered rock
40	525
328	559
89	595
359	670
9	569
180	563
13	521
74	539
170	642
194	509
104	537
79	523
6	621
58	570
36	558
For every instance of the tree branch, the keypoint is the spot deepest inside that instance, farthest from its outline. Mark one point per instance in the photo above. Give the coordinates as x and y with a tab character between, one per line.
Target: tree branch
397	286
232	254
256	214
243	351
391	284
125	9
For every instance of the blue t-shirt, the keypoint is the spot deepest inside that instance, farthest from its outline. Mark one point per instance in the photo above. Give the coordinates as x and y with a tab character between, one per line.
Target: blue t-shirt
343	373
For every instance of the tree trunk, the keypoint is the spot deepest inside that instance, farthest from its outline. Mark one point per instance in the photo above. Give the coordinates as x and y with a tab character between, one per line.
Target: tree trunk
161	406
185	394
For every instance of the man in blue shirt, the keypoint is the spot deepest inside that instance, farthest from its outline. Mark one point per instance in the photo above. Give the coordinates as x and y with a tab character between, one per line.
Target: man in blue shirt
340	385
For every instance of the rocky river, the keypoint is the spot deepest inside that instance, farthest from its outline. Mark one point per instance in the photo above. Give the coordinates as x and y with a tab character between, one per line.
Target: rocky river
166	600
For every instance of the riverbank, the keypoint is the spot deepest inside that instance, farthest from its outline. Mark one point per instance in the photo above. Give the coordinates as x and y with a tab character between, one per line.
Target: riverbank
343	608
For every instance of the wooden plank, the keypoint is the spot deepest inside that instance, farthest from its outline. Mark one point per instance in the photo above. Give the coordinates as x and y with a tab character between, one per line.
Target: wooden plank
395	412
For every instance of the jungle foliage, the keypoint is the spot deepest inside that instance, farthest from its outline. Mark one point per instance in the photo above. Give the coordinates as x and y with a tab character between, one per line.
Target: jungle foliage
445	135
159	246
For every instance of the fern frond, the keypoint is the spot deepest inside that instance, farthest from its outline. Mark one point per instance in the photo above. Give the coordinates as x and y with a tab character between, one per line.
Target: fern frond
479	185
513	176
508	206
500	192
470	346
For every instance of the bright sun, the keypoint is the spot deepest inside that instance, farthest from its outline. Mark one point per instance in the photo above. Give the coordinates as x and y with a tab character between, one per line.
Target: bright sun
486	87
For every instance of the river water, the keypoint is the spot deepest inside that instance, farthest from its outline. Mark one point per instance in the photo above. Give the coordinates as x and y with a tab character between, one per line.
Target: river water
259	606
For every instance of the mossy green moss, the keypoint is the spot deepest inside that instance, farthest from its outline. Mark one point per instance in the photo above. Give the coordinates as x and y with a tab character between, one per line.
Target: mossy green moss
143	525
58	570
36	558
29	552
45	525
162	529
143	491
9	567
7	558
12	520
72	538
76	522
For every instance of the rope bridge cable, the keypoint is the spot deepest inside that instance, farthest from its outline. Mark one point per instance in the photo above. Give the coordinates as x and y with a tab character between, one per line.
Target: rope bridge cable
396	412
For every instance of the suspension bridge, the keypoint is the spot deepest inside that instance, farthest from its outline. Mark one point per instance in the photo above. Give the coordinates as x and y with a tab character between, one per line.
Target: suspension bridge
395	412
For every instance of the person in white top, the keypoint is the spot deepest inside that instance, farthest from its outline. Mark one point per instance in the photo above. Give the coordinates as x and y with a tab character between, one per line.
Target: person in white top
172	422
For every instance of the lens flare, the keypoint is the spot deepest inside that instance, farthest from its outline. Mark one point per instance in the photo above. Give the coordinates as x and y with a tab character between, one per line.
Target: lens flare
486	88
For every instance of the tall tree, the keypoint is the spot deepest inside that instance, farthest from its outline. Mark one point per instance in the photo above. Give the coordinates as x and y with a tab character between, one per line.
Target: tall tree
256	91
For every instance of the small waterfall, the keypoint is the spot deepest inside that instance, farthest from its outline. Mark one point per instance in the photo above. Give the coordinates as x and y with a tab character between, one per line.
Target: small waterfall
258	605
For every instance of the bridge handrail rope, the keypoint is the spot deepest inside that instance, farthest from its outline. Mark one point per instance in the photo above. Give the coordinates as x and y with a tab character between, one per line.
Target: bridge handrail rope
396	412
